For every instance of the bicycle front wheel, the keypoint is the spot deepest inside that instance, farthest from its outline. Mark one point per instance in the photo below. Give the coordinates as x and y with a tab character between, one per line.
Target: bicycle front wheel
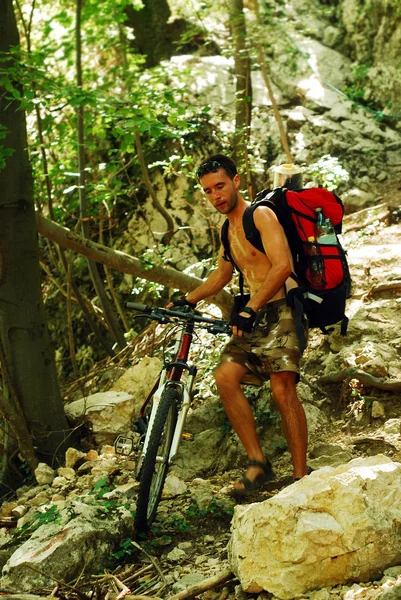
155	463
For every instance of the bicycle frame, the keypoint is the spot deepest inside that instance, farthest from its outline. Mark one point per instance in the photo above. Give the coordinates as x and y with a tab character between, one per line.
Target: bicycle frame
171	375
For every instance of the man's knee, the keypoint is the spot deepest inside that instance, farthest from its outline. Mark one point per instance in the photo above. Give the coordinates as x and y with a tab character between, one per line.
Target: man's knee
283	385
228	374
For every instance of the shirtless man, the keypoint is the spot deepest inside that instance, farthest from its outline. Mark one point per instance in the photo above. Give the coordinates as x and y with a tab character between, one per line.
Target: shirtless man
264	343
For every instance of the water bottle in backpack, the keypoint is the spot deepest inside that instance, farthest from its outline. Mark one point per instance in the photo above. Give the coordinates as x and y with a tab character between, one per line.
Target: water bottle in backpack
316	264
325	233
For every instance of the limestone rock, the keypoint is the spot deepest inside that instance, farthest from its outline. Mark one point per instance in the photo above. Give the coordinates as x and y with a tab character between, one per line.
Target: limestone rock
392	427
176	554
139	380
335	525
173	486
315	418
112	412
72	456
44	474
106	413
187	581
328	455
85	542
66	472
377	410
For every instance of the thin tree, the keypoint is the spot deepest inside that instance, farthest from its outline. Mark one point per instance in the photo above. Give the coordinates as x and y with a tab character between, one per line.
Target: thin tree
265	73
243	87
108	312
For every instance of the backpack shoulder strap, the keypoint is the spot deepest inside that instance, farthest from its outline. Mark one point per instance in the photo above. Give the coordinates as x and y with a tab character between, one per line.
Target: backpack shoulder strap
224	240
227	254
264	198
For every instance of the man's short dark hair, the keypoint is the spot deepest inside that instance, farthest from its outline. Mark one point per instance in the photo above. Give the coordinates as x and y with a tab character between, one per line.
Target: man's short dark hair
216	162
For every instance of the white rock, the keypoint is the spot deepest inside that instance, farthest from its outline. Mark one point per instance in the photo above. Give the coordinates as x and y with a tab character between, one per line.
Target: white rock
139	380
125	490
188	581
335	525
72	456
66	472
392	426
19	511
59	482
66	552
175	555
377	410
107	413
44	474
173	486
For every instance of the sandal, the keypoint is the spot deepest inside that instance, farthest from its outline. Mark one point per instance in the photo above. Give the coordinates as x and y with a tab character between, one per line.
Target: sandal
255	484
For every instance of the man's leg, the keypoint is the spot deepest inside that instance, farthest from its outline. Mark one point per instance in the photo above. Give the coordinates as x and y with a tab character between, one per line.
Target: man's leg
292	417
228	376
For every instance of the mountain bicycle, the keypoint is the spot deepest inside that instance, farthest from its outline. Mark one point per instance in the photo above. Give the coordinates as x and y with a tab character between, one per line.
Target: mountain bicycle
162	416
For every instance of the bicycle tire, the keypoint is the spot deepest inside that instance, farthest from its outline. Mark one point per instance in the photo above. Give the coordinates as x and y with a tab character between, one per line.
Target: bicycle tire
155	464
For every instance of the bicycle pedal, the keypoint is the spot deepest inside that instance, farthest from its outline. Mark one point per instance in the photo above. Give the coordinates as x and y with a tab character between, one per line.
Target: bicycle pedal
123	445
187	436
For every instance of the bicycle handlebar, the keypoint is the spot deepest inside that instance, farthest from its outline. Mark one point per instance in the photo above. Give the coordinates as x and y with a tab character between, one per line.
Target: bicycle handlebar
163	315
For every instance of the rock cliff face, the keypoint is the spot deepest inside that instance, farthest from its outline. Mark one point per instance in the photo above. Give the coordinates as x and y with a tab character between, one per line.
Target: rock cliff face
315	51
373	38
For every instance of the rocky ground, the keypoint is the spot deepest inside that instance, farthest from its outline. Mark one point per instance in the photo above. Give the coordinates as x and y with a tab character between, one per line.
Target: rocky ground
188	541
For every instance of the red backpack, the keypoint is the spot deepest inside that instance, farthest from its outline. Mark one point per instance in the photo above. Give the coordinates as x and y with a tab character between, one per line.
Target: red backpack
296	212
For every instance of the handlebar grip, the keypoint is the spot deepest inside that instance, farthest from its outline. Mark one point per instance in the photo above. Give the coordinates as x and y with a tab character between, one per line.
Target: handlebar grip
139	307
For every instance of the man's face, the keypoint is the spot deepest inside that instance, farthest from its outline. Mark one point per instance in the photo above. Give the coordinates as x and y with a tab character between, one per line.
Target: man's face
220	190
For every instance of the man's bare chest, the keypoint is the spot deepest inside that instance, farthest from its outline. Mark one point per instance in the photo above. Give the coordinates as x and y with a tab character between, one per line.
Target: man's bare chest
245	255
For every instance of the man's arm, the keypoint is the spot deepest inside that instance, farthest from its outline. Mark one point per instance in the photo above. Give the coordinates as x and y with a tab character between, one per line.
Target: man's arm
277	251
215	282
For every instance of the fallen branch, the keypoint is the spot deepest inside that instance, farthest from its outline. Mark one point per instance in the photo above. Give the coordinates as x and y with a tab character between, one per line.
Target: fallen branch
136	597
8	522
365	378
122	262
371	440
208	584
383	287
59	582
153	560
225	592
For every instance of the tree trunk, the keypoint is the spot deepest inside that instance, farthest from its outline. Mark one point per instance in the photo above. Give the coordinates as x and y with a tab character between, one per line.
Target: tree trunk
243	102
150	27
263	67
28	365
105	303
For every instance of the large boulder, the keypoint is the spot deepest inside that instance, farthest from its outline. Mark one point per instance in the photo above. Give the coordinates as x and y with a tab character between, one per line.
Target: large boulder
64	551
336	525
108	413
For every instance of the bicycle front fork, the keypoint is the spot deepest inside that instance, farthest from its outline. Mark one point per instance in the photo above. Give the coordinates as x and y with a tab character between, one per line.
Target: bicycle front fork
185	392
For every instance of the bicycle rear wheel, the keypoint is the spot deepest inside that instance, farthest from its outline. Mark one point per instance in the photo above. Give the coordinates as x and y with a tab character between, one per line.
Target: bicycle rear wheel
155	464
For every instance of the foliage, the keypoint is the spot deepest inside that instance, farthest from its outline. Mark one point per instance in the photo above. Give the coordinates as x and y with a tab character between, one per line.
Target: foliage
327	172
214	510
43	516
126	549
104	506
265	416
226	426
4	152
356	91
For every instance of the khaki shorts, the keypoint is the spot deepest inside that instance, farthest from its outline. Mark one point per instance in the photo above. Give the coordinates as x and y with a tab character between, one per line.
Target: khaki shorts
271	347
